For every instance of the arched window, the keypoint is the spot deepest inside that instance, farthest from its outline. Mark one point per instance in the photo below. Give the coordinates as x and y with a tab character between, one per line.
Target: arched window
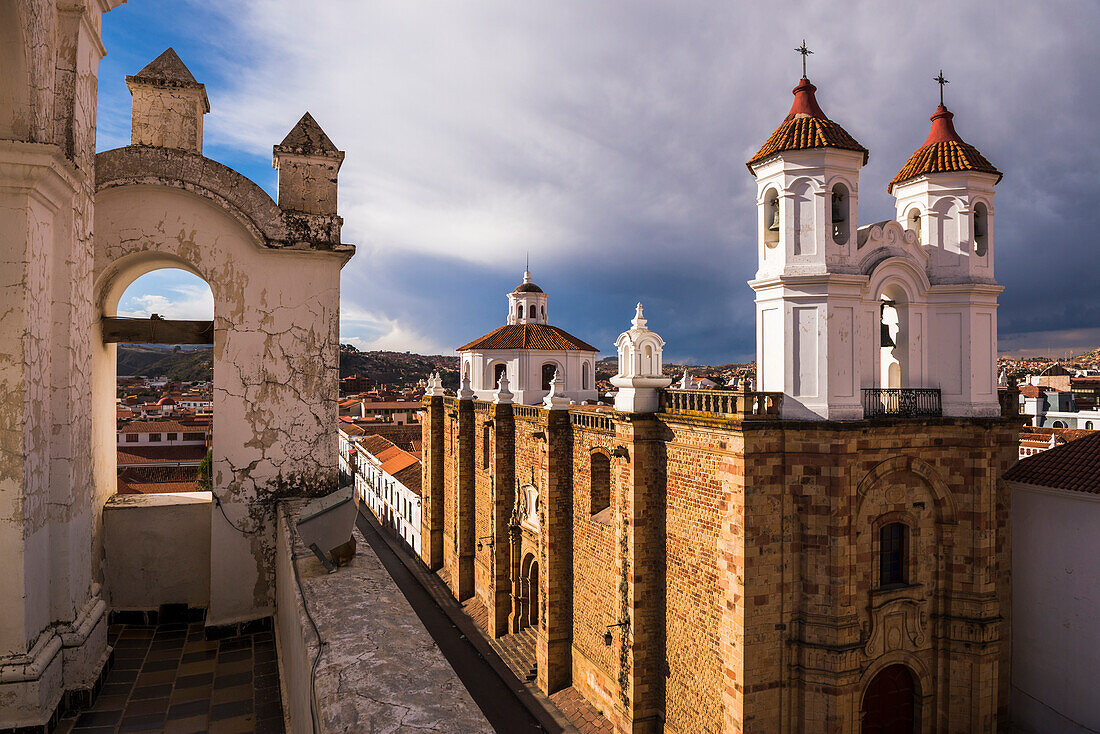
981	230
498	372
839	211
531	311
1058	424
893	554
519	311
912	222
544	312
771	218
647	363
486	444
600	476
548	371
1088	425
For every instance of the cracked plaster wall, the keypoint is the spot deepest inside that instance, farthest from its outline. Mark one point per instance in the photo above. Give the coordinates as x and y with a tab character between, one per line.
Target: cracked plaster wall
276	332
52	630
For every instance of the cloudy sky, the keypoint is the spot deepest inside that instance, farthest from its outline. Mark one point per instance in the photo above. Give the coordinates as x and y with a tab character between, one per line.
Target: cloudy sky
608	141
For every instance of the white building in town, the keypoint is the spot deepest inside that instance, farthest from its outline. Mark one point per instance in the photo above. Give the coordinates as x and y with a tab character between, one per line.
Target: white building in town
386	479
1055	588
531	351
1049	408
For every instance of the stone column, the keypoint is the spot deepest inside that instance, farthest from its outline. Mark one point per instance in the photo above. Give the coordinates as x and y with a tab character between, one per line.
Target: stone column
431	516
555	597
462	574
504	499
642	482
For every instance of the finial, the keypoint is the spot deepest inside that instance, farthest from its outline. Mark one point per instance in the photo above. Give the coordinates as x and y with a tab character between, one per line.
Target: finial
805	52
939	79
639	320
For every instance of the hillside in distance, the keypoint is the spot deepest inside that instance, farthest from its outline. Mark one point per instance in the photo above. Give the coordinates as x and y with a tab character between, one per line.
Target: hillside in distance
191	364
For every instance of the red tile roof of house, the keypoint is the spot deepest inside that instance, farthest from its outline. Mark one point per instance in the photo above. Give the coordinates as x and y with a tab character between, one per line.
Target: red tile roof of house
1073	466
163	426
398	463
806	127
528	336
151	454
1034	391
943	152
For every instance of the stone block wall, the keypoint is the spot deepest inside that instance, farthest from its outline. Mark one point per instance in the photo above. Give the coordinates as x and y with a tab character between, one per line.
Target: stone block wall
744	557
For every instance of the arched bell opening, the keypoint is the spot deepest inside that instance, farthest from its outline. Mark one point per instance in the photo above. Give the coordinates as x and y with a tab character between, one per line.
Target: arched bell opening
913	222
771	218
981	230
840	213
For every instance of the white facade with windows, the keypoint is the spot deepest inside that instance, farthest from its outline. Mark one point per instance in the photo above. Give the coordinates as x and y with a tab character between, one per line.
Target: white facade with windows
392	502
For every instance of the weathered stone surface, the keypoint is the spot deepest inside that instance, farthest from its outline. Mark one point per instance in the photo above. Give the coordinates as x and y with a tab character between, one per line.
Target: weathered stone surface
380	670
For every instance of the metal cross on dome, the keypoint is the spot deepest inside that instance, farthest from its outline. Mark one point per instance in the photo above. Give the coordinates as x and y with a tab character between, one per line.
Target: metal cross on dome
805	52
941	81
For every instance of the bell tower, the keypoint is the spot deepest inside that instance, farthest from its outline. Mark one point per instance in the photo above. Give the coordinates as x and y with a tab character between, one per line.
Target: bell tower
807	284
944	197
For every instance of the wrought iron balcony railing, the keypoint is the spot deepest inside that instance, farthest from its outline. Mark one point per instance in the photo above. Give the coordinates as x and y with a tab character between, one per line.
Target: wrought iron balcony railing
901	402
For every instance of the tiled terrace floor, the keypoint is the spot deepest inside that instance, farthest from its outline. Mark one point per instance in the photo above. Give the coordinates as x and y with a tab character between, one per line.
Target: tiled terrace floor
170	678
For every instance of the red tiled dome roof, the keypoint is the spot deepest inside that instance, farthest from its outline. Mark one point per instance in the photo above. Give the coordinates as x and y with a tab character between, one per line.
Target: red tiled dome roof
529	336
943	152
806	127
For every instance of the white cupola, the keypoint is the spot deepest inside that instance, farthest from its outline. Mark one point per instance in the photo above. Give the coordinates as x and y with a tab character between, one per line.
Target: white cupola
640	364
527	303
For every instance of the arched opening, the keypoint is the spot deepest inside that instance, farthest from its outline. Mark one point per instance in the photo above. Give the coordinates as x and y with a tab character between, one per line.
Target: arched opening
648	366
586	377
981	230
1058	424
533	585
548	371
519	311
771	218
1088	425
839	213
893	337
889	703
599	483
531	311
161	329
912	222
498	372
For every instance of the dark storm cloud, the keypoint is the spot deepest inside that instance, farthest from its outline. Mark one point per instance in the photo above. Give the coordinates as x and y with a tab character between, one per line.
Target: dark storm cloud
609	140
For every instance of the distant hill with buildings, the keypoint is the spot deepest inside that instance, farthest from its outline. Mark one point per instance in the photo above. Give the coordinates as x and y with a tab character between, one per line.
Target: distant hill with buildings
191	363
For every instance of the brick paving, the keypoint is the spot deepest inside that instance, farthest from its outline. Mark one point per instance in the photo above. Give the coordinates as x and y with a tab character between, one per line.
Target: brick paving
580	712
170	678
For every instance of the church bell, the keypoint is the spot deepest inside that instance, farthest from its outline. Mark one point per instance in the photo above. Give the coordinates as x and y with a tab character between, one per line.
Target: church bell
839	213
774	226
885	340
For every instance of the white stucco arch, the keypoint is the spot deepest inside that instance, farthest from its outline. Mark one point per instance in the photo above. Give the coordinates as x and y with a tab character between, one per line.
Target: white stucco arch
276	331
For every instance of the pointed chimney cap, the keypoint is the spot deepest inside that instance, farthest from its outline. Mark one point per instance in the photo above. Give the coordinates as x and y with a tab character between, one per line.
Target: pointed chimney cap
168	70
307	138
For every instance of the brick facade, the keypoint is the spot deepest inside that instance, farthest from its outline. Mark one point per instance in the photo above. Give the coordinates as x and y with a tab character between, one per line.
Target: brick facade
742	556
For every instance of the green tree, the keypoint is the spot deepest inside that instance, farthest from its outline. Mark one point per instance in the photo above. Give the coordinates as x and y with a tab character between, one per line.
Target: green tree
206	472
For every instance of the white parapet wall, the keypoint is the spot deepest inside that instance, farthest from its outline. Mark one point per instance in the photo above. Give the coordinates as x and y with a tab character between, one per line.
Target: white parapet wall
379	668
157	549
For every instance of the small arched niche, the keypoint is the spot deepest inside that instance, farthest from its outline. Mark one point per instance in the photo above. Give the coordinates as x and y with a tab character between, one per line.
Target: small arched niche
981	230
772	224
840	213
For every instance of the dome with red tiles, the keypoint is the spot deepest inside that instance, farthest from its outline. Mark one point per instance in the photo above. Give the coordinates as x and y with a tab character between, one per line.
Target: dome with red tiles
943	152
806	127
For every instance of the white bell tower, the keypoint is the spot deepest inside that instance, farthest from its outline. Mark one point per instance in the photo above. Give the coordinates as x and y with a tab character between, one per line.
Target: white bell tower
944	195
527	303
807	283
